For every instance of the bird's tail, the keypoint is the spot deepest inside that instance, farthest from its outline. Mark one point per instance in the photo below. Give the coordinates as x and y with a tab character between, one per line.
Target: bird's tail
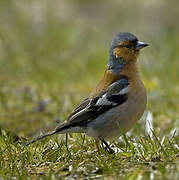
41	137
63	128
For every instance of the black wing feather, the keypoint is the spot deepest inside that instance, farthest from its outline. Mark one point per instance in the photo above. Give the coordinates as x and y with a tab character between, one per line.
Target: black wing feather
88	110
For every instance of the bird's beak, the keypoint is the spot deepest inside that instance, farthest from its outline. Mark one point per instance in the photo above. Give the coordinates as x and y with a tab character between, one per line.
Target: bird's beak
140	45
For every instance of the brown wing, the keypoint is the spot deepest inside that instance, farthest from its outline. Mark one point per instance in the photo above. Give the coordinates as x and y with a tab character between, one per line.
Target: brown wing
89	109
81	106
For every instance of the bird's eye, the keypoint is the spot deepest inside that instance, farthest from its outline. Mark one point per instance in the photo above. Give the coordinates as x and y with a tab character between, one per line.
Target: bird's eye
129	46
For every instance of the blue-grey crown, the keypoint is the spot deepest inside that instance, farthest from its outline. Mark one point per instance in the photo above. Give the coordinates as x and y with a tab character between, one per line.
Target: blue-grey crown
123	36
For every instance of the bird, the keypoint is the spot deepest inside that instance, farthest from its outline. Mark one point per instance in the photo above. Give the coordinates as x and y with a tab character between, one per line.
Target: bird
117	102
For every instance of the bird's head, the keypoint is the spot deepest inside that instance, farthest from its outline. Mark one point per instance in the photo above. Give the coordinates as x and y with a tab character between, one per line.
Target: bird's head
125	48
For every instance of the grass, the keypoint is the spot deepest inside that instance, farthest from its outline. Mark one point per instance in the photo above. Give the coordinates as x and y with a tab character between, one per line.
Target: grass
47	66
140	156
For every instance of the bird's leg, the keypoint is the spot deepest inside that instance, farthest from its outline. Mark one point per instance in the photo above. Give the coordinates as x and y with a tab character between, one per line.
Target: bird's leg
66	143
97	147
109	149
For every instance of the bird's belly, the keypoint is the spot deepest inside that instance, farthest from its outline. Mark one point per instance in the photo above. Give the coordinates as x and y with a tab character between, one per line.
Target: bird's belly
118	120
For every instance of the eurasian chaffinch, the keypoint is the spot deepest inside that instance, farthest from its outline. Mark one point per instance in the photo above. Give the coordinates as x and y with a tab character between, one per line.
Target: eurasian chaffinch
118	101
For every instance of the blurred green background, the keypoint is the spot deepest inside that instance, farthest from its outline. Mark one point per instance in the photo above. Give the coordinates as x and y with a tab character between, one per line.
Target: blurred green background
53	53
